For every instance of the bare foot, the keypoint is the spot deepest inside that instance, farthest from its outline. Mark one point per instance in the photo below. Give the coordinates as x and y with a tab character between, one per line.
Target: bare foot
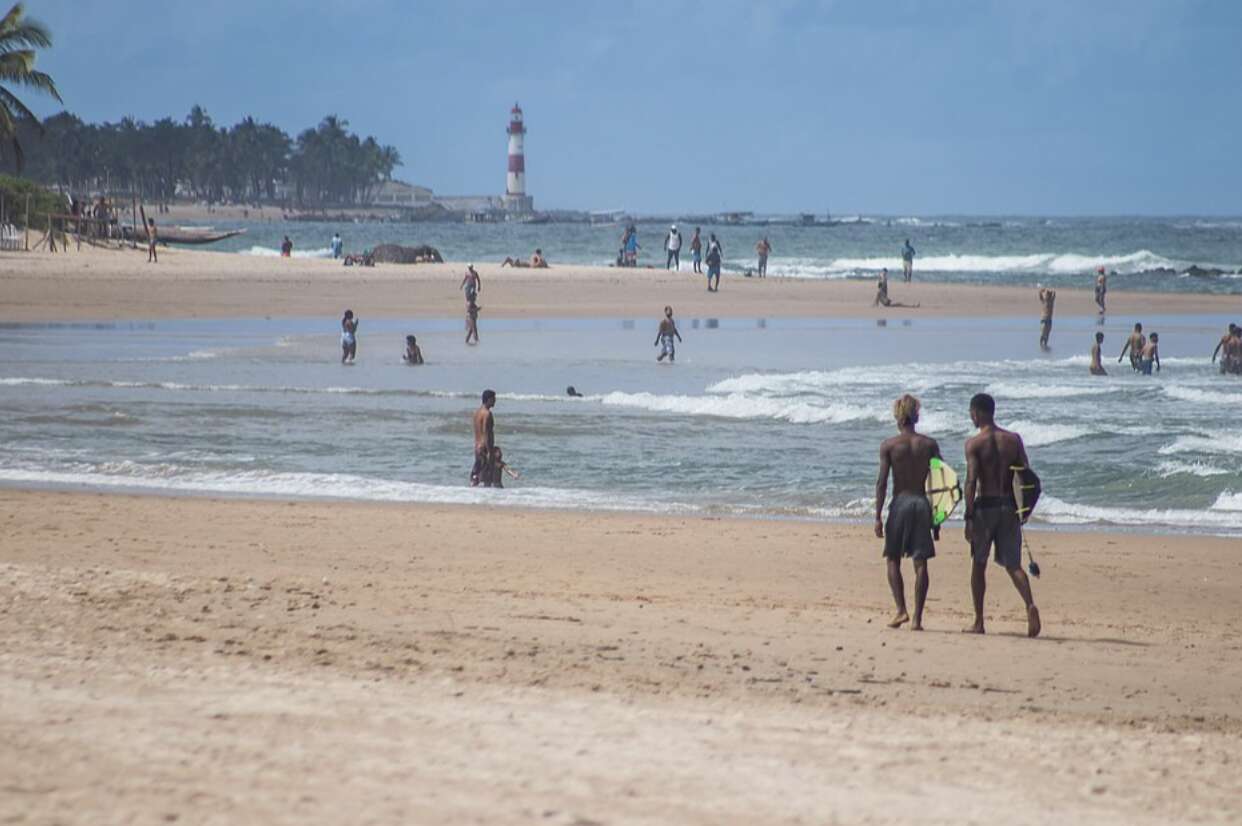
1032	622
977	628
917	625
901	619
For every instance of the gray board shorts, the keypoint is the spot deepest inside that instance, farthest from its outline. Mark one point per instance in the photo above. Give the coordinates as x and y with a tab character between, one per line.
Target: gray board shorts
908	531
997	524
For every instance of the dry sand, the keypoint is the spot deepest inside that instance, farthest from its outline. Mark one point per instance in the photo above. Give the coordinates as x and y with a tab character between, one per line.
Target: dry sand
265	662
101	284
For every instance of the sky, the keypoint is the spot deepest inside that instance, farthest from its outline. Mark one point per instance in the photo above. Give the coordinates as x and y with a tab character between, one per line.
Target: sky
1049	107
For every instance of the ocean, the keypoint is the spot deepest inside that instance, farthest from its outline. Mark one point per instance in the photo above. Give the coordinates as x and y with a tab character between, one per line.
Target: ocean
1142	253
772	418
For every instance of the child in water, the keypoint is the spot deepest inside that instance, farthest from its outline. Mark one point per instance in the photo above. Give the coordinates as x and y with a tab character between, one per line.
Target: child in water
412	355
498	468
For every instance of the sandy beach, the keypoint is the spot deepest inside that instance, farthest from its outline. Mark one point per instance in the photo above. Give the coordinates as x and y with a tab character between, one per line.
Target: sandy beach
101	284
214	661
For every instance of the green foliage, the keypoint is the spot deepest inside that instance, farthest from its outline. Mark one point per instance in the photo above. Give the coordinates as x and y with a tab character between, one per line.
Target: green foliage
194	157
19	38
42	201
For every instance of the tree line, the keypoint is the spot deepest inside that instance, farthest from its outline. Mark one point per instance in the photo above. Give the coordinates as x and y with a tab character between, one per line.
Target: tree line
249	162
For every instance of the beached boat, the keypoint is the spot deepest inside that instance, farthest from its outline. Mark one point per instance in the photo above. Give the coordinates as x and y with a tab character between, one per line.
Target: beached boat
184	235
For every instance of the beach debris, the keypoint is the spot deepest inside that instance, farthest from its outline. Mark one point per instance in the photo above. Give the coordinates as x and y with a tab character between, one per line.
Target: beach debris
397	254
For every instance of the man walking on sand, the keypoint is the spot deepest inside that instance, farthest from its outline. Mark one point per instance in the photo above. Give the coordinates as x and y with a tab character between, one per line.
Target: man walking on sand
484	441
992	511
908	456
672	245
1047	298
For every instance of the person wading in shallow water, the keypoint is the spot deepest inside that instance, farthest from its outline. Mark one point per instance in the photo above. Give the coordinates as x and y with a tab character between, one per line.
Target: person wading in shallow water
908	457
664	337
484	441
991	510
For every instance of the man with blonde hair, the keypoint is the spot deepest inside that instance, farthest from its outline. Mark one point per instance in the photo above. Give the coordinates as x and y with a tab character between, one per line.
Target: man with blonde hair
908	531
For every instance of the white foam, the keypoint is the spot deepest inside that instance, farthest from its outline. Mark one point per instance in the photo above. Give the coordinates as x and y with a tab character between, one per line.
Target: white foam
1038	434
268	252
1011	390
1054	263
1228	501
740	406
17	381
1216	442
1175	468
1193	394
1058	512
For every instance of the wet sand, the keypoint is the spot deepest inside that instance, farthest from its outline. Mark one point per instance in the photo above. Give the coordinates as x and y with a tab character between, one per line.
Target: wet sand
216	661
98	284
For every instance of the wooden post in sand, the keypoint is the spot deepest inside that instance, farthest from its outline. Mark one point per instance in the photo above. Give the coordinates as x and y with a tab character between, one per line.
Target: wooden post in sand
133	236
26	223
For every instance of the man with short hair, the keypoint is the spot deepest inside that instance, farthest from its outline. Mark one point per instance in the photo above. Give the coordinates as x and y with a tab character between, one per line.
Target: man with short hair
672	245
1134	346
484	441
715	252
762	250
696	251
1097	367
991	510
1047	297
1225	344
664	337
908	457
1150	355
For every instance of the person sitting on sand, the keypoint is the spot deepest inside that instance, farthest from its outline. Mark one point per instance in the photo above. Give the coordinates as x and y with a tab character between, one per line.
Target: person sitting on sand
1226	344
908	457
537	261
413	353
1134	346
881	294
349	337
472	322
665	335
1101	288
1150	355
471	283
991	510
1097	368
1047	298
499	468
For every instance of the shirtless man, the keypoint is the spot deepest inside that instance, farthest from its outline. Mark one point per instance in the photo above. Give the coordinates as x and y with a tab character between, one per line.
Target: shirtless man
537	261
1134	346
471	283
991	511
909	530
1097	368
1101	288
1047	297
1226	344
664	336
763	249
1150	355
152	237
484	441
1231	361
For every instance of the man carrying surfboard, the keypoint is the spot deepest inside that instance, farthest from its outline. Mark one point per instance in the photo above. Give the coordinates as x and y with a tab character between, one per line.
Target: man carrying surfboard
991	509
908	455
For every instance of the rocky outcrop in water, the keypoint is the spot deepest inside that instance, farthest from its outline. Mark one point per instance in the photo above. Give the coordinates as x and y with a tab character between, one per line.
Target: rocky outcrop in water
397	254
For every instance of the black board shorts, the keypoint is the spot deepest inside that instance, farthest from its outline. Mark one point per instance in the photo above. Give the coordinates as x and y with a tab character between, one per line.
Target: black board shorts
997	525
908	531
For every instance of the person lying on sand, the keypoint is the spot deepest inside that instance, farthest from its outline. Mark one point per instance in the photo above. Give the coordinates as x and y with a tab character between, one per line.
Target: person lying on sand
537	261
991	510
413	353
908	456
1097	368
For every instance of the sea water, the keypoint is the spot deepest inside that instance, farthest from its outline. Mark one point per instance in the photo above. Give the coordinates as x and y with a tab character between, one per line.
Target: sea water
1142	253
763	417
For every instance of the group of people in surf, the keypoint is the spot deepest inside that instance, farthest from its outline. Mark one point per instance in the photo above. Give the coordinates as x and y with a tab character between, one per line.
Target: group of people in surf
412	354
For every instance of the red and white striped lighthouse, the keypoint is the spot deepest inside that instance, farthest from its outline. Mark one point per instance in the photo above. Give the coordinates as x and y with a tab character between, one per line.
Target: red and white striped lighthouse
515	182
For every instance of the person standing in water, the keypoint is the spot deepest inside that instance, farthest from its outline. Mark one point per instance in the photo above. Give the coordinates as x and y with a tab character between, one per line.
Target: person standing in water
762	249
908	532
1097	367
413	353
907	261
672	245
349	337
991	510
1134	346
472	322
665	335
1047	298
484	440
1226	344
1101	288
1150	355
696	251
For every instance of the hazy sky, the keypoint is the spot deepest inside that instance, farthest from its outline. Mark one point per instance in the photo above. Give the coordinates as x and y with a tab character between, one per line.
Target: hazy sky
902	107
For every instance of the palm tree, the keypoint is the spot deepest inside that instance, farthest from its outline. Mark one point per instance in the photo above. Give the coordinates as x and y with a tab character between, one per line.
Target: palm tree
19	37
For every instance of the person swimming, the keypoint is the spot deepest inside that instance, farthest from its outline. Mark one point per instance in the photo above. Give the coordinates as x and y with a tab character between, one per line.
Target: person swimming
413	353
570	391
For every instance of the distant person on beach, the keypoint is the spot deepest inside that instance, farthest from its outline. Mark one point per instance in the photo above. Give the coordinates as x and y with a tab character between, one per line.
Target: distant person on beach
1225	348
349	337
1047	298
413	353
672	246
572	392
499	468
762	249
484	441
336	245
881	294
286	248
714	254
1150	355
665	335
152	237
991	510
630	247
1097	367
1101	288
908	532
472	322
471	283
696	251
1134	346
537	261
907	262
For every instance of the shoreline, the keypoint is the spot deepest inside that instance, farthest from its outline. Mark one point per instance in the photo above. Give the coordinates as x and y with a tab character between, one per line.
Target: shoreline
97	284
